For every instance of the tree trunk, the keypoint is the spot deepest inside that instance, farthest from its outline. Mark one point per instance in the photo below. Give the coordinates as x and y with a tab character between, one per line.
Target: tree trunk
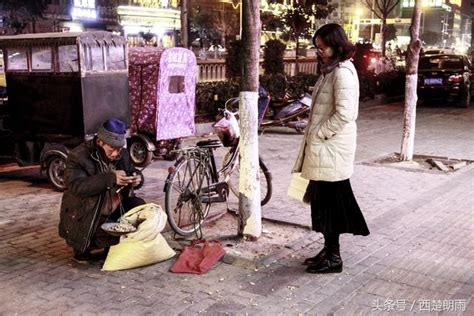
472	41
250	218
383	34
184	23
411	97
297	48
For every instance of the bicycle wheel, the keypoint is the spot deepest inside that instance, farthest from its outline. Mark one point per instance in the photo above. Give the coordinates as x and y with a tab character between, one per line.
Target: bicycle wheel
184	195
265	178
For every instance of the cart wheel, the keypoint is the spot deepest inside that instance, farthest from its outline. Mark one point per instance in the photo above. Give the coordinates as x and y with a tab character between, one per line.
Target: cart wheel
139	153
55	168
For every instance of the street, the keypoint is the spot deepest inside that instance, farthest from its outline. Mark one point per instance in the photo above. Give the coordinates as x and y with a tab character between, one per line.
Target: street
417	259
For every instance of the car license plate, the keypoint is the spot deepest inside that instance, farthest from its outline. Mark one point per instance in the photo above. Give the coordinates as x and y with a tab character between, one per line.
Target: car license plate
433	81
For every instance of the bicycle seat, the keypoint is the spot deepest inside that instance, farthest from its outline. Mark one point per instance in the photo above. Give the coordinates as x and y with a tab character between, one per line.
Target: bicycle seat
210	143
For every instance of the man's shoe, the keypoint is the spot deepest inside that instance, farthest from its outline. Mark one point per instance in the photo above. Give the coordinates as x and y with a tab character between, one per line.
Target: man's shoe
82	257
88	257
332	263
316	259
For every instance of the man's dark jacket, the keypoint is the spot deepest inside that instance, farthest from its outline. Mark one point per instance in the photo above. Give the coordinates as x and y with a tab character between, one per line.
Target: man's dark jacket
90	181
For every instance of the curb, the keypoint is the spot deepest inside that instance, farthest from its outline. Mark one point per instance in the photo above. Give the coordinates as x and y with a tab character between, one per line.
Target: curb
238	259
380	99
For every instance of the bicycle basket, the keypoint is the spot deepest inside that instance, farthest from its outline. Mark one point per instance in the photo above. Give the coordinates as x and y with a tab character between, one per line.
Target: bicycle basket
227	129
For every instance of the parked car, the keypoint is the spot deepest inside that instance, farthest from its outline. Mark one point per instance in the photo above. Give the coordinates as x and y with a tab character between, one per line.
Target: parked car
436	51
366	58
446	76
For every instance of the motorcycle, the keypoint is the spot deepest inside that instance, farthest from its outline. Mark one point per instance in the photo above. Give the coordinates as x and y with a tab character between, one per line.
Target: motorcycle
284	113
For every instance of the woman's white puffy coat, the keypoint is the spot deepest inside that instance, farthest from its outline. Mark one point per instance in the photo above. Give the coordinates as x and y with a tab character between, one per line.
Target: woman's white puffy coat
328	148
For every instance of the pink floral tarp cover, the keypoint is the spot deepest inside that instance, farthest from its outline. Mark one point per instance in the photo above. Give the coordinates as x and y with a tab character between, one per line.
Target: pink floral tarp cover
162	86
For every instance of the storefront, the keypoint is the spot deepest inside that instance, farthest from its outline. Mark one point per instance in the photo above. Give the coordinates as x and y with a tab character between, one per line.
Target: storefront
88	15
150	22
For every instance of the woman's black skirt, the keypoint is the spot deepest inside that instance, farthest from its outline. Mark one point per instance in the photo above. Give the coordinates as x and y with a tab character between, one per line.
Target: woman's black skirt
334	209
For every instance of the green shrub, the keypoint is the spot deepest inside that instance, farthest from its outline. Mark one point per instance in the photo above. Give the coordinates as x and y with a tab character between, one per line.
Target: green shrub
233	60
300	84
273	57
391	83
367	86
205	92
276	85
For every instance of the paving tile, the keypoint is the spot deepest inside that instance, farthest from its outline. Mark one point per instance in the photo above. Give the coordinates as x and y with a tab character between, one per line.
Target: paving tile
421	244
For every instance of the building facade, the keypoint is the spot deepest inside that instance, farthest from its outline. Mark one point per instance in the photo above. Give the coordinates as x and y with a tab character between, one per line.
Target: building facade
143	22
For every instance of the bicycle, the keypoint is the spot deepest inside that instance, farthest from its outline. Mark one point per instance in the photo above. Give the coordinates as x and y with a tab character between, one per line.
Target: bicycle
194	182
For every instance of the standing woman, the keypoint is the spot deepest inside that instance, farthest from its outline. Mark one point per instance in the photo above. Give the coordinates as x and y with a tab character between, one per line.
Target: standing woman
326	156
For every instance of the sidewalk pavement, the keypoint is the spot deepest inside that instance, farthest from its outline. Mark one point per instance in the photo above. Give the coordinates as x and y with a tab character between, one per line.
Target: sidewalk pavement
418	258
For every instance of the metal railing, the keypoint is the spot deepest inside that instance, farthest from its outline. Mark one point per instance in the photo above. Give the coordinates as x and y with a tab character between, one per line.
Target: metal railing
214	70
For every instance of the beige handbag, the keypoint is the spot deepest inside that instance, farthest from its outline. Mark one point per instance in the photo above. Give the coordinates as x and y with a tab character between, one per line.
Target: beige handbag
297	188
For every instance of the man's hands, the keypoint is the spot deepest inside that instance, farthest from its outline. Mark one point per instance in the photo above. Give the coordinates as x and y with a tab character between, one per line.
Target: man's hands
122	179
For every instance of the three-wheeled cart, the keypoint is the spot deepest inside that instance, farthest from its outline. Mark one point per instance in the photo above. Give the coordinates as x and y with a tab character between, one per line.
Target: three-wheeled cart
162	100
61	87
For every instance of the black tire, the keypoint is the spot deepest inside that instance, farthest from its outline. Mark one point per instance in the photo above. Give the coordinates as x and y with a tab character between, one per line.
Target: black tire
266	188
184	200
139	153
55	167
268	180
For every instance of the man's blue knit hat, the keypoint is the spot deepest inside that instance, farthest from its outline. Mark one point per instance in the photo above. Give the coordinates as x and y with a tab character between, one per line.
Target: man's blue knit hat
112	132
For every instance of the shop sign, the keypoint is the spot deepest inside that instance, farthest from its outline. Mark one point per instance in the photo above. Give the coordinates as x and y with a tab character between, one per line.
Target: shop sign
84	9
107	13
157	3
455	2
151	3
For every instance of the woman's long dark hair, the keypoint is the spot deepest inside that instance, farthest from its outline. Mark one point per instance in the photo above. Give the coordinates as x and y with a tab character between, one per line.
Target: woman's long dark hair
334	36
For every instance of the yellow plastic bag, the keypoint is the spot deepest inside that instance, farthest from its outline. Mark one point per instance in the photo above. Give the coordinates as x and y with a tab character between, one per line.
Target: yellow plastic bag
143	247
297	187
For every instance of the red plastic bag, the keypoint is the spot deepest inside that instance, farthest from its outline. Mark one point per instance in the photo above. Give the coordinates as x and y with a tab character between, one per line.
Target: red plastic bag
198	257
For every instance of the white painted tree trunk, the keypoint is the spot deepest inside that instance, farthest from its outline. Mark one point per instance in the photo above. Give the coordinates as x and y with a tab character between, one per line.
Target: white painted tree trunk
408	138
250	223
250	213
408	141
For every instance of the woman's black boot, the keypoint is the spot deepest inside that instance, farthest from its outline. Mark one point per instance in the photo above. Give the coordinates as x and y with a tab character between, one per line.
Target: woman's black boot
332	263
316	259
